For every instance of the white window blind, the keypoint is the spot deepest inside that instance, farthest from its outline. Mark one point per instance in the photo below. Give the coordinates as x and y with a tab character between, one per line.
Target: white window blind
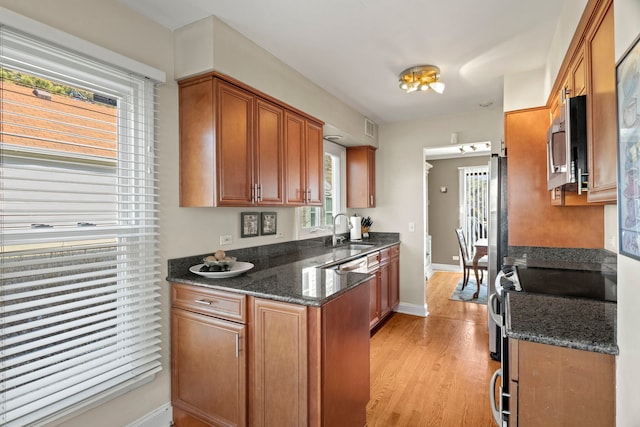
474	203
79	302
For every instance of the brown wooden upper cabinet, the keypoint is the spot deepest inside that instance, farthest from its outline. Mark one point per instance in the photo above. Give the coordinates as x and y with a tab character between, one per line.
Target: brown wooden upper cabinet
602	119
232	146
303	157
590	70
361	177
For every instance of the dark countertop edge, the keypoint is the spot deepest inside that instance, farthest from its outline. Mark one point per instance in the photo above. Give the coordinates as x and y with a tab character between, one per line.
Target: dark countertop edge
311	302
585	345
574	344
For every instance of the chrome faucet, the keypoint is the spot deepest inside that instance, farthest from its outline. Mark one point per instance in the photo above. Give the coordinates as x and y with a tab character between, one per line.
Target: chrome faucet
334	240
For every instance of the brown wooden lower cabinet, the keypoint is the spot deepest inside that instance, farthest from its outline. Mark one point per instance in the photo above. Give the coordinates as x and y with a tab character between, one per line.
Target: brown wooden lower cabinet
240	360
209	370
558	386
386	296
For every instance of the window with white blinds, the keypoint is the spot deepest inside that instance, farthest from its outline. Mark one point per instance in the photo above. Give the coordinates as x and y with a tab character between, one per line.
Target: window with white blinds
79	302
474	203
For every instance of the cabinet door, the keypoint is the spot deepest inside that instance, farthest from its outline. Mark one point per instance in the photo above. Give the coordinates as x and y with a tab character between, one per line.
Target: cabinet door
234	144
371	187
280	386
559	386
602	110
394	277
360	177
346	359
196	144
374	302
208	368
383	278
269	154
578	74
315	165
294	137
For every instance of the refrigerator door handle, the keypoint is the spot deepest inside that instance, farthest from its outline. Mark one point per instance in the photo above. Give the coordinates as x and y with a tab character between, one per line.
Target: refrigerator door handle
495	411
492	310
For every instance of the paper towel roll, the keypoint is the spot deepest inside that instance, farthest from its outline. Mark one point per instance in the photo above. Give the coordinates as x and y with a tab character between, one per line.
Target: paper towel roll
356	230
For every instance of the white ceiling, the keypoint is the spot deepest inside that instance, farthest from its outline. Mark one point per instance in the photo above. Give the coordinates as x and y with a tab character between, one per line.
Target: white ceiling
355	49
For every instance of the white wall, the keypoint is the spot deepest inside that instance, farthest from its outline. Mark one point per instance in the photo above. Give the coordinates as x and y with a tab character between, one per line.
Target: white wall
524	90
400	181
627	28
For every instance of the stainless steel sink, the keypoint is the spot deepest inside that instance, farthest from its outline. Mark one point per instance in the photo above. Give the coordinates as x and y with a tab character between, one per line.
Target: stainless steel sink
360	246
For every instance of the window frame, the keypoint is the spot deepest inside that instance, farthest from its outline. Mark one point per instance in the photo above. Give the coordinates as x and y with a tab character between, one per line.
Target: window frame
133	282
340	152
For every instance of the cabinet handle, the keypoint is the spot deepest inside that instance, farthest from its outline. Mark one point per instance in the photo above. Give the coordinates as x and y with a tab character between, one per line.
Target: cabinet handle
204	301
237	345
259	197
309	195
371	199
253	193
579	181
496	407
304	196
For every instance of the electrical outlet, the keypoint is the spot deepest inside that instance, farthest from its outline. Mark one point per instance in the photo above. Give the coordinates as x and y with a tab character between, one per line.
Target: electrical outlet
456	258
412	227
226	239
279	235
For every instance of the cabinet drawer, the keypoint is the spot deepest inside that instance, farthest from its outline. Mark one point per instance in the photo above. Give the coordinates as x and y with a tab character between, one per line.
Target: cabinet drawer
385	254
373	262
226	305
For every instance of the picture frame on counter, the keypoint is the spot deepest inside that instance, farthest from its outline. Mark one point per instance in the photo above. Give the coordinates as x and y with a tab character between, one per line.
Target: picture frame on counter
268	223
628	99
249	224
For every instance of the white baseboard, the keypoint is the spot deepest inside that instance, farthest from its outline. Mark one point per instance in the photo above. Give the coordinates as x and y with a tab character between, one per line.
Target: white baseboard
159	417
428	271
447	267
413	309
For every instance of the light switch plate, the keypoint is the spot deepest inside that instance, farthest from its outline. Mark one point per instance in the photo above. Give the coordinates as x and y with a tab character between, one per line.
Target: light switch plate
226	239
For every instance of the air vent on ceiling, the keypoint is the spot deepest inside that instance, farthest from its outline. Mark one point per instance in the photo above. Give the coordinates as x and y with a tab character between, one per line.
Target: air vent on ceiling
370	128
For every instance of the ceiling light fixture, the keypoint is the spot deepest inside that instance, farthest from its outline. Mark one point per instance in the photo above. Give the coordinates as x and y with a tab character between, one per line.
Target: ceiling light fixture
461	149
421	77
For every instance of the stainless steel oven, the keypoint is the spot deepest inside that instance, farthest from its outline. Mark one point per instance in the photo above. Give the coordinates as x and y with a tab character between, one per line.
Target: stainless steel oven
506	280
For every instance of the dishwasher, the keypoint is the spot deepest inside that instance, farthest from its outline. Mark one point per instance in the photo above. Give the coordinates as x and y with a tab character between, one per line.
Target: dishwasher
367	264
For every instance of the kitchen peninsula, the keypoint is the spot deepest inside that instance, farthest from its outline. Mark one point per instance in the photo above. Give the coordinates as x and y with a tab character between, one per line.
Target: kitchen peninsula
286	343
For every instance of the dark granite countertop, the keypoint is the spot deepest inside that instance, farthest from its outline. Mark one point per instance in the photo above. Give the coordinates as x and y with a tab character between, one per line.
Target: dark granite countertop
577	323
294	272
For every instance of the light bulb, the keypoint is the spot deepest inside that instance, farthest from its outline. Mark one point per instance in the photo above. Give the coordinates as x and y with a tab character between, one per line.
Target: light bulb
437	87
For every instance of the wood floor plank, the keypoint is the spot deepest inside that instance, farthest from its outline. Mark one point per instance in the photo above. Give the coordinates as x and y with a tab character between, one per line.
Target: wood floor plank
432	371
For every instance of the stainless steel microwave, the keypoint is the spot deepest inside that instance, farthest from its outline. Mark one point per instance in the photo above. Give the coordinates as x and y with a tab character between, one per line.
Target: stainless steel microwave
567	146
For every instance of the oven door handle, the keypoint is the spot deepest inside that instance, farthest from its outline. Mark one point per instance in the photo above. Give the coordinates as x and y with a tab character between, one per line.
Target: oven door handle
492	310
495	411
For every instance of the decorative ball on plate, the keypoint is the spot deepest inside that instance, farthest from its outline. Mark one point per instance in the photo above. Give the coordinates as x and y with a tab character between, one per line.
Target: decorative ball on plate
214	263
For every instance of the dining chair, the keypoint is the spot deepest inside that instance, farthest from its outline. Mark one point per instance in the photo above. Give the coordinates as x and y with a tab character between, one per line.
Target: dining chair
467	261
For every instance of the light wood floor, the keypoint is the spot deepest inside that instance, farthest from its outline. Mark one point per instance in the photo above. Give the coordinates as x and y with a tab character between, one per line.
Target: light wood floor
432	371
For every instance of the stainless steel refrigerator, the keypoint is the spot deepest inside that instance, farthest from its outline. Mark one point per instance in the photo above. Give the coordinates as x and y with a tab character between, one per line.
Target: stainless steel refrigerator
498	238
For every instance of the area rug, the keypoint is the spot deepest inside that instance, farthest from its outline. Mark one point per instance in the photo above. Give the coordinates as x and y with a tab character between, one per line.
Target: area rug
466	295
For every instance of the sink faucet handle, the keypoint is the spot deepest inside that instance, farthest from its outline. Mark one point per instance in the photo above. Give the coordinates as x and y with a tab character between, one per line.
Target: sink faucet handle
341	239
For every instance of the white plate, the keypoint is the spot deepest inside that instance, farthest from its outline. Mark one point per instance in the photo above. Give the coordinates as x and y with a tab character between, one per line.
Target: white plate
237	269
